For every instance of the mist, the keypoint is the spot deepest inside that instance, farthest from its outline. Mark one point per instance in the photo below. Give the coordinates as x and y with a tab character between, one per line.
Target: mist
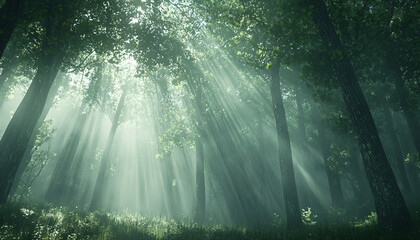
249	119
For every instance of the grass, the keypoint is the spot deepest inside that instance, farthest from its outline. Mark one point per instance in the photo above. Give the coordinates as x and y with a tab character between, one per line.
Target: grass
20	221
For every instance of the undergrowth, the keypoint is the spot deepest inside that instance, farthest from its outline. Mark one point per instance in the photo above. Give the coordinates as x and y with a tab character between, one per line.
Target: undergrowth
20	221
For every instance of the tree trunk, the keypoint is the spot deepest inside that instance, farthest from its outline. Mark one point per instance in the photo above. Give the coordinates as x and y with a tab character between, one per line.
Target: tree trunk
9	14
285	154
336	191
399	158
17	135
27	155
390	205
101	181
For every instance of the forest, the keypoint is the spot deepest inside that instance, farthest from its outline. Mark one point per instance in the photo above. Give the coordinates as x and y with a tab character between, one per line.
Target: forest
209	119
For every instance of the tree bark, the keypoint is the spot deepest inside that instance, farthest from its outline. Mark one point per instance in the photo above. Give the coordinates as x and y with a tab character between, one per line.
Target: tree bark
17	135
9	15
27	155
98	192
389	202
292	208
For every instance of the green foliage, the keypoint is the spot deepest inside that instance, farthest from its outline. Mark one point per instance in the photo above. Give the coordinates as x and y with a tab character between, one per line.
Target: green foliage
371	220
46	222
178	135
308	218
413	159
339	159
40	155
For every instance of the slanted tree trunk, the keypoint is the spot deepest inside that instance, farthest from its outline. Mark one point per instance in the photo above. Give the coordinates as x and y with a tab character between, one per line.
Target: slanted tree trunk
336	191
27	155
18	133
285	154
101	180
390	205
9	15
399	158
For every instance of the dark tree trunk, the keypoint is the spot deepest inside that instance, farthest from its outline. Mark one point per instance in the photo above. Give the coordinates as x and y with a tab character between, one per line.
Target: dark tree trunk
389	202
101	180
285	153
17	135
336	191
27	155
399	158
9	15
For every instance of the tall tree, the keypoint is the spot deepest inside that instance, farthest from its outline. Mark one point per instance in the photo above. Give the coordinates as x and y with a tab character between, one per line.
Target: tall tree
60	34
20	128
390	205
284	152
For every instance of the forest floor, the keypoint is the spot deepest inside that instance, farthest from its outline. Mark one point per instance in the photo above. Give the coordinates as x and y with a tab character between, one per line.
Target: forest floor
42	221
